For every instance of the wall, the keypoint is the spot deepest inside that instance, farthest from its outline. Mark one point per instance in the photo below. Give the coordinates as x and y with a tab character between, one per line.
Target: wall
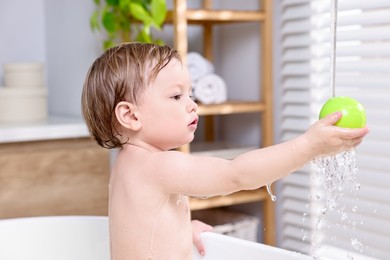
56	33
22	30
71	49
238	62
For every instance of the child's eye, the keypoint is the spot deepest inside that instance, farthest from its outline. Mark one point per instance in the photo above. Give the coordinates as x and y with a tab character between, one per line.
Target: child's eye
177	97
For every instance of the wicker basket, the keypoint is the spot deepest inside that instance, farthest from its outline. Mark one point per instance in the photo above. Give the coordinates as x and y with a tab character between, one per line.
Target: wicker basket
229	223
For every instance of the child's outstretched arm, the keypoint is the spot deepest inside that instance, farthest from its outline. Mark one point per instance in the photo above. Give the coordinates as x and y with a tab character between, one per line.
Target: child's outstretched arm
208	176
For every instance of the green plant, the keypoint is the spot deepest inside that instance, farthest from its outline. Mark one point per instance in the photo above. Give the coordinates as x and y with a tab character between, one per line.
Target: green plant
128	20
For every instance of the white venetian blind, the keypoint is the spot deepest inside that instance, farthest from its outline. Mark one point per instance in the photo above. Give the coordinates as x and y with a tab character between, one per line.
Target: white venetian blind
295	118
363	72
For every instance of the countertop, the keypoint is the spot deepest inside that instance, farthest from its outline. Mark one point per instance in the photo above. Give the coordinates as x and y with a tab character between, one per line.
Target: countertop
53	128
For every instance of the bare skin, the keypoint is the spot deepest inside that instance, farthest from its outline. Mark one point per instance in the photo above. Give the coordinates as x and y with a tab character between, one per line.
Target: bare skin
149	210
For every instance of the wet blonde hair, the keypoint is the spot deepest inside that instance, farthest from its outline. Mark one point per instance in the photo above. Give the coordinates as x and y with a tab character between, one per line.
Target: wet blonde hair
121	73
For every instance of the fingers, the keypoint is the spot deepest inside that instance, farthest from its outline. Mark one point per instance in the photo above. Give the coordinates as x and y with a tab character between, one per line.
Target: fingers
351	138
331	119
357	141
349	133
199	245
344	133
326	138
198	228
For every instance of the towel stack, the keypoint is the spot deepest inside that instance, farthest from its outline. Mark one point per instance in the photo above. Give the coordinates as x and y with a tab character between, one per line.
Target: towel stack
208	87
23	99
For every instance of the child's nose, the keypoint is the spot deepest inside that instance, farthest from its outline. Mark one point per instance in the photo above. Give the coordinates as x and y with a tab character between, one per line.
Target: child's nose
192	107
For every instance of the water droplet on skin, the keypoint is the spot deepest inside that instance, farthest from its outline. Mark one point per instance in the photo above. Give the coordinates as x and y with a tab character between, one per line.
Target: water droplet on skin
273	197
178	202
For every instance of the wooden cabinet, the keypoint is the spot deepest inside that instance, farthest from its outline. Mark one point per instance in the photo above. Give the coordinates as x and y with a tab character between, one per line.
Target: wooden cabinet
206	17
53	177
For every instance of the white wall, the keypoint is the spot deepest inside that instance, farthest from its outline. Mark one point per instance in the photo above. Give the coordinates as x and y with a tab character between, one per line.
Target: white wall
22	32
71	49
56	33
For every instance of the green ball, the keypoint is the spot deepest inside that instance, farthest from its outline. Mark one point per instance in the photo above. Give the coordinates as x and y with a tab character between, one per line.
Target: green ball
354	114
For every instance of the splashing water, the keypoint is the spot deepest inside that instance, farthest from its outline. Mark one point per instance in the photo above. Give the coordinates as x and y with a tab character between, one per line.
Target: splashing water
334	172
336	175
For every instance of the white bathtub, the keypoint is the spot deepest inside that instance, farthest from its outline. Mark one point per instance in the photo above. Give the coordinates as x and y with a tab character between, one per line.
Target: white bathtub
86	238
54	238
229	248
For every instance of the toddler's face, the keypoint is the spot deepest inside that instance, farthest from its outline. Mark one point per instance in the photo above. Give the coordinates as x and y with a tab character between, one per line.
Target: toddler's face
168	114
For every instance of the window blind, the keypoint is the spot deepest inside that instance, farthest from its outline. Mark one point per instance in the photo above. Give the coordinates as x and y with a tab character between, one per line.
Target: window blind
294	190
362	72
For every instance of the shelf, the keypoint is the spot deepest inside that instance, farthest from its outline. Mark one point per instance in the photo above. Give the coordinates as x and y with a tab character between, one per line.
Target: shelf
181	17
219	16
219	149
231	199
53	128
231	107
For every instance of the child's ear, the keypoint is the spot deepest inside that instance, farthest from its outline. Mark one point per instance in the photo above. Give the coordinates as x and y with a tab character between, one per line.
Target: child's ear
127	116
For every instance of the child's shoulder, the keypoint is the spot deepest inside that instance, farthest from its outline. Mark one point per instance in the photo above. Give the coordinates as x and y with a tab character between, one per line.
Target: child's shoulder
143	160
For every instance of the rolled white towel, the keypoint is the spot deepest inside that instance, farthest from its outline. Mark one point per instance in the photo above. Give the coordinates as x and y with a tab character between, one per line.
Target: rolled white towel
198	66
210	89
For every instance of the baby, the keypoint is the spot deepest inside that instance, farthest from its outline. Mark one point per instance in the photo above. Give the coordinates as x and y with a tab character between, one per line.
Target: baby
137	97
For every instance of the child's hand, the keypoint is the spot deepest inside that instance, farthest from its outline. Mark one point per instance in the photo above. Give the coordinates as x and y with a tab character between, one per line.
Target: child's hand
197	228
323	138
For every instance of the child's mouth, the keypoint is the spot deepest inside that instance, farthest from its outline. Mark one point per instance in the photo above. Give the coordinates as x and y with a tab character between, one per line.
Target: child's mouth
194	123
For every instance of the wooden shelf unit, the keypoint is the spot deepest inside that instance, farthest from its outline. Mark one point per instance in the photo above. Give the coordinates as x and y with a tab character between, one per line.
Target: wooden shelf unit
206	17
229	200
231	107
219	16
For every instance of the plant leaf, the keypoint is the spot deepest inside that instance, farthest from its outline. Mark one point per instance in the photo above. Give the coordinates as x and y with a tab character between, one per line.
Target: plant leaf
140	13
112	2
108	20
94	21
159	42
124	5
108	44
119	19
144	35
158	9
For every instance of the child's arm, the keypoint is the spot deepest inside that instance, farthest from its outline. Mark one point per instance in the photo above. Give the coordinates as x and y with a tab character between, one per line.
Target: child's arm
209	176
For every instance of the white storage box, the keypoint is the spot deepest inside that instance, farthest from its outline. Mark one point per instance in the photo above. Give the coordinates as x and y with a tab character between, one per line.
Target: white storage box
24	75
23	105
229	223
